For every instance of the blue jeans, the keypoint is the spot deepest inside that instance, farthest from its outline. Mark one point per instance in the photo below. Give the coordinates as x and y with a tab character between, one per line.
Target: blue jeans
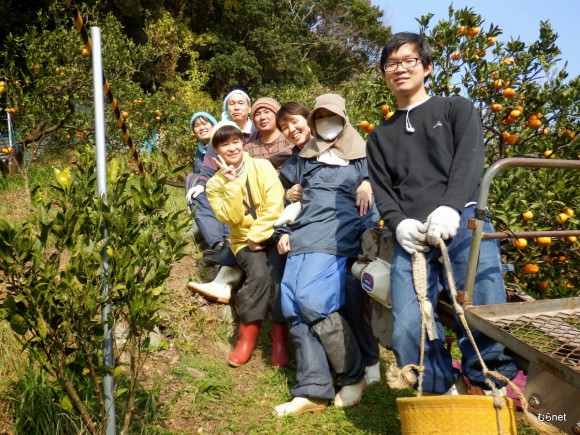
439	374
211	229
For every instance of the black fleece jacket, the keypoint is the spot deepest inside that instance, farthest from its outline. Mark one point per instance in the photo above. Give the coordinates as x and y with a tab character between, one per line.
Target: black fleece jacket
440	163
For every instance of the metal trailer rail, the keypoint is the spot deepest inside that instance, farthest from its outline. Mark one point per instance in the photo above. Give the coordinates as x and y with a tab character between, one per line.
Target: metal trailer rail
544	334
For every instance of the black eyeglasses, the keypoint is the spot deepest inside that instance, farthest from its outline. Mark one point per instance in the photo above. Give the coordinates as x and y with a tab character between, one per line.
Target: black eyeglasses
405	64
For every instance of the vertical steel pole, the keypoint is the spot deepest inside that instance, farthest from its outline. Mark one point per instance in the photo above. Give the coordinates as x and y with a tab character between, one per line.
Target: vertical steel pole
108	359
8	117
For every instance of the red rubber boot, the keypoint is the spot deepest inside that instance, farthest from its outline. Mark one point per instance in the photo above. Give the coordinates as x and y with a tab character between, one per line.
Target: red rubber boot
280	356
247	337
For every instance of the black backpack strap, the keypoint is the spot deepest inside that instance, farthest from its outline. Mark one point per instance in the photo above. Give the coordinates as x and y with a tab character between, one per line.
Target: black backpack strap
250	207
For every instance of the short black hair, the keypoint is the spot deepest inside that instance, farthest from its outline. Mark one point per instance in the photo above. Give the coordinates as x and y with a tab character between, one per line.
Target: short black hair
203	118
419	42
226	133
291	109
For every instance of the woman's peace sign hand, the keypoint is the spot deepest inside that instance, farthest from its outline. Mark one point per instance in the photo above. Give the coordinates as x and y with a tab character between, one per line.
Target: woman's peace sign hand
228	171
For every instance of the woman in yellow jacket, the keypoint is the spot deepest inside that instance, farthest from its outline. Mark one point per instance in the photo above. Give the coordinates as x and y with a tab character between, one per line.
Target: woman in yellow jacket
247	195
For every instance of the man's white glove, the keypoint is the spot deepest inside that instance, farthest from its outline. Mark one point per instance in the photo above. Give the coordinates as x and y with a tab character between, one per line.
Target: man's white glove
442	224
411	236
194	192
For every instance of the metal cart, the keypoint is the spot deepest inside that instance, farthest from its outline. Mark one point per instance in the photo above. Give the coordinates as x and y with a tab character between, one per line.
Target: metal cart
544	335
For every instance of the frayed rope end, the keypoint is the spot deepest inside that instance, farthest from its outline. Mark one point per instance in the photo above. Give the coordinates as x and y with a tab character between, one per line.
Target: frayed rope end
401	378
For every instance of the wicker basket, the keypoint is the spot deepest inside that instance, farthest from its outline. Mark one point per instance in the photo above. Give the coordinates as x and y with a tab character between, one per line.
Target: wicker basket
455	415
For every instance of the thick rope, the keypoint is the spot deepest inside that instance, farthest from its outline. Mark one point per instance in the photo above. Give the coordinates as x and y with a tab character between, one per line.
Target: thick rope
399	378
541	427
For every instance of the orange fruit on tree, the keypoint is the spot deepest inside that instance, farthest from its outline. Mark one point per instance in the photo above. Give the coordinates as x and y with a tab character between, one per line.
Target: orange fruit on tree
461	30
549	154
125	114
520	243
531	268
364	125
490	41
571	239
498	83
527	215
570	133
568	211
505	136
543	241
508	92
513	139
534	123
545	132
473	31
562	218
456	55
496	107
543	285
385	109
515	114
85	52
388	115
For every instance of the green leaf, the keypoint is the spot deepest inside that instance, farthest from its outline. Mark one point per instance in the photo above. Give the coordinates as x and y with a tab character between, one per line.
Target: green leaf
41	327
18	324
66	404
120	391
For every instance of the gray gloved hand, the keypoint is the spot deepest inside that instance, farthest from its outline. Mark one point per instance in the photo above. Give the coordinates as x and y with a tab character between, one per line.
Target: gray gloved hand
411	236
194	192
442	224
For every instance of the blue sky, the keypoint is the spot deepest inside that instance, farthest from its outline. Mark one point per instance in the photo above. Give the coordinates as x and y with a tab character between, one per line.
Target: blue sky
515	17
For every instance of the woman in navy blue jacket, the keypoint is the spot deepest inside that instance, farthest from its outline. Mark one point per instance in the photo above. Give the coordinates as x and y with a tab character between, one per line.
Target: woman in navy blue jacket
330	169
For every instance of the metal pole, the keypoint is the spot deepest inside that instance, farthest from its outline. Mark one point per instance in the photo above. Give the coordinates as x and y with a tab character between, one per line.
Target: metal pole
476	236
108	359
8	117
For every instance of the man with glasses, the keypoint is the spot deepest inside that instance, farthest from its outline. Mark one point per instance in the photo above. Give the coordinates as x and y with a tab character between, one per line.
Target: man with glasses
425	165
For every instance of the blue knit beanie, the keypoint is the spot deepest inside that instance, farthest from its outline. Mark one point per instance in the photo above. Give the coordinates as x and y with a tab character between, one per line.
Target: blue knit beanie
205	115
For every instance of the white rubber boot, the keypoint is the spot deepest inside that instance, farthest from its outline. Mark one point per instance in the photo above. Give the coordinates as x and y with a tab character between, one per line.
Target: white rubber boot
220	289
300	405
350	395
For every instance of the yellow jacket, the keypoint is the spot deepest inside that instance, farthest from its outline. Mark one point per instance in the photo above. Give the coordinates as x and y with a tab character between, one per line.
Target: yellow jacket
227	201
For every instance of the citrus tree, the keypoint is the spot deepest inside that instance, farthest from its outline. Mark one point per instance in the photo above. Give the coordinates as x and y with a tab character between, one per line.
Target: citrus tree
529	107
55	271
47	86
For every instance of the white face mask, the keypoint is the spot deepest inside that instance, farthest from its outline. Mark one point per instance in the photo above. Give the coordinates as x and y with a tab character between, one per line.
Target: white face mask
329	128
